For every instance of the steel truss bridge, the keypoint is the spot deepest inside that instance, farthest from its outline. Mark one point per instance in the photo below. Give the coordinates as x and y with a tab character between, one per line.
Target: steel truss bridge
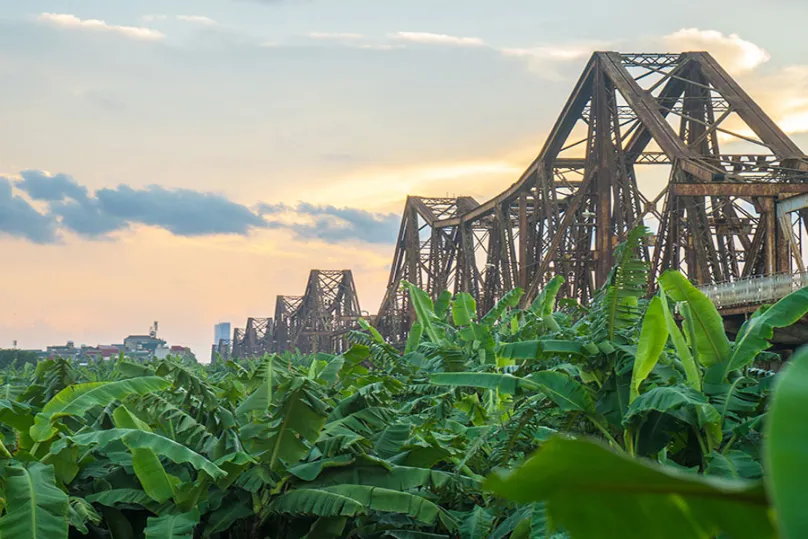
317	321
731	206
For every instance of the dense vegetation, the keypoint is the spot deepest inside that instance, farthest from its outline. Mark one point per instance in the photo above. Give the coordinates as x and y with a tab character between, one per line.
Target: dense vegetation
557	420
11	356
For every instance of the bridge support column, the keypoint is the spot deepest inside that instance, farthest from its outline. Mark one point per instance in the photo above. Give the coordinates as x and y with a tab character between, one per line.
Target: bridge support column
523	232
770	243
783	242
785	207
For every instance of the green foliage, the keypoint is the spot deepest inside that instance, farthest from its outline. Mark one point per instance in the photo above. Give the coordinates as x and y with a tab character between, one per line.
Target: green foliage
35	507
172	526
653	336
616	306
16	358
615	420
755	333
76	400
787	449
711	343
594	492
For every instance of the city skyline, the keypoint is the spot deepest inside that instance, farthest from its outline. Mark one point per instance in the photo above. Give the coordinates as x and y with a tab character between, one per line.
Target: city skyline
203	156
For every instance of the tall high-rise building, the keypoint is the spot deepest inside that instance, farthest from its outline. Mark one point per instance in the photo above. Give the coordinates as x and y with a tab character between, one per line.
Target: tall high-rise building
221	331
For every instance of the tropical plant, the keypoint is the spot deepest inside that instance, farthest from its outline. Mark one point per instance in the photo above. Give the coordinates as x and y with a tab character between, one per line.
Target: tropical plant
606	413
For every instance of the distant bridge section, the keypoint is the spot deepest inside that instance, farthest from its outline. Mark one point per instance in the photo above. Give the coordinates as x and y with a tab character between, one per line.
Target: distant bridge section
317	321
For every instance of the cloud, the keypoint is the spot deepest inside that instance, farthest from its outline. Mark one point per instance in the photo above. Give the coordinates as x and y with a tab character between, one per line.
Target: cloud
21	220
558	53
437	39
348	40
51	188
70	204
782	95
550	61
378	46
736	55
331	224
66	20
197	19
334	35
183	212
87	218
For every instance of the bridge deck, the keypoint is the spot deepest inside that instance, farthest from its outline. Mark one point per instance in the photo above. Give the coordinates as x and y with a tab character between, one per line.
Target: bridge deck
746	295
737	300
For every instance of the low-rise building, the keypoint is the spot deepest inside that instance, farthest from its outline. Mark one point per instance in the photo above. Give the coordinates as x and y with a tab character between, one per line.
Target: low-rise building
134	343
67	351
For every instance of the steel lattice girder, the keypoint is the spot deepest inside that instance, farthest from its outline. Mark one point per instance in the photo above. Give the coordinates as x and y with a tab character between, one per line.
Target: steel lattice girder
238	349
258	336
425	256
715	219
317	321
286	309
580	196
329	308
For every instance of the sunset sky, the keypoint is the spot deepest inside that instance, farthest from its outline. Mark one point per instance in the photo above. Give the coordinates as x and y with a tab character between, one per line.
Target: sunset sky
188	160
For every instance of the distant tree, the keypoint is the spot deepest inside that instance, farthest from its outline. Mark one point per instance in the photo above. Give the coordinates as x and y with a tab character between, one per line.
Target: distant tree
10	356
187	358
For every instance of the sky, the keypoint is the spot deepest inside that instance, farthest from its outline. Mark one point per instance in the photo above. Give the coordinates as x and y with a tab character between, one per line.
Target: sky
187	161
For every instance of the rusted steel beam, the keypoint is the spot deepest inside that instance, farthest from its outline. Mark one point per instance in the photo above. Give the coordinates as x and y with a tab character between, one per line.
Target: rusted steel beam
748	190
770	223
606	175
763	126
523	241
329	305
561	130
646	108
668	97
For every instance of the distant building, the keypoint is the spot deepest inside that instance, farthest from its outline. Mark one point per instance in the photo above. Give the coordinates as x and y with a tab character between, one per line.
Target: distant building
161	352
66	351
97	353
137	347
221	332
134	343
108	351
81	353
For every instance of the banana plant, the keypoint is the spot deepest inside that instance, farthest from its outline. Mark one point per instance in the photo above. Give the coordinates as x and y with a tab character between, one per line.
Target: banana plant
382	442
589	490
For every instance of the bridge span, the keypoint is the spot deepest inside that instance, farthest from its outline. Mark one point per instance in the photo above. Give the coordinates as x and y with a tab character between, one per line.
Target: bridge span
731	215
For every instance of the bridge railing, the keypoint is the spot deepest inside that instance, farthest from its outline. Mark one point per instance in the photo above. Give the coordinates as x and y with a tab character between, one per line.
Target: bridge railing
754	290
